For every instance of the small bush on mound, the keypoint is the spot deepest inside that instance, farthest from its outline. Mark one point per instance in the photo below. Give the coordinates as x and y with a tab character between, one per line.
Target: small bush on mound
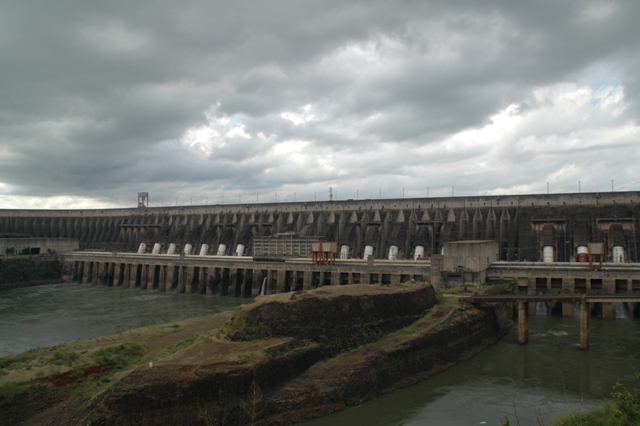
118	357
439	297
16	361
64	358
8	392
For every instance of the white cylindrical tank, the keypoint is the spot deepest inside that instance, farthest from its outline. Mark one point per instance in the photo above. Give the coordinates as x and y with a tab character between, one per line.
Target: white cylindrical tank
204	249
187	249
582	254
240	250
344	252
222	249
171	249
547	254
142	248
618	254
368	251
393	252
156	248
418	253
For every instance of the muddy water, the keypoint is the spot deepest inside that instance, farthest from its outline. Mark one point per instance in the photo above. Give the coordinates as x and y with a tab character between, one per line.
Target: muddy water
53	314
526	382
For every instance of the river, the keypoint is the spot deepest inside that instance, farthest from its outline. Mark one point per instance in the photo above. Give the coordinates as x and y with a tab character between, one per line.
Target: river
49	315
526	382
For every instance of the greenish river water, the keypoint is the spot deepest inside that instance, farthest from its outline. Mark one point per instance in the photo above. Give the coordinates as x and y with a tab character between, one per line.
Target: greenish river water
529	382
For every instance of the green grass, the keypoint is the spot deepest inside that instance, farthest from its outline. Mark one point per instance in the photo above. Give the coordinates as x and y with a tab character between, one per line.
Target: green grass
17	361
8	392
604	416
64	358
489	286
624	410
119	357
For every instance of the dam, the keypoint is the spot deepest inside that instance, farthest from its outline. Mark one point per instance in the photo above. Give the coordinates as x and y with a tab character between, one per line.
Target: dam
540	242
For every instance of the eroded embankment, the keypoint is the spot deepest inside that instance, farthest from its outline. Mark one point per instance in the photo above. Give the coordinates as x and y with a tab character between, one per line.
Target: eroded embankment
292	357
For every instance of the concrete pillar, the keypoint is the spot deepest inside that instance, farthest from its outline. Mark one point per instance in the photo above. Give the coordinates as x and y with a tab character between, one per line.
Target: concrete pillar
269	290
125	277
162	283
133	275
211	273
171	270
584	325
437	264
256	282
203	280
188	279
365	278
568	309
568	287
111	273
181	279
395	278
143	276
523	323
86	272
531	290
349	277
608	309
280	284
608	286
151	277
98	270
115	275
335	277
306	281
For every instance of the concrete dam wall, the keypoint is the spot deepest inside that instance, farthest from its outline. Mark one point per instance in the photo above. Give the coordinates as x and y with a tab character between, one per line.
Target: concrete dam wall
554	228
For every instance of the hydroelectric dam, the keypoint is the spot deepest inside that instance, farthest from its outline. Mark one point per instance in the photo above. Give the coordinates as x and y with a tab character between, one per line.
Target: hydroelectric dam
543	243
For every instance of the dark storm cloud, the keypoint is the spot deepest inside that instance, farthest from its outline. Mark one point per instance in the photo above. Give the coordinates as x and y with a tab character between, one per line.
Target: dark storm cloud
98	101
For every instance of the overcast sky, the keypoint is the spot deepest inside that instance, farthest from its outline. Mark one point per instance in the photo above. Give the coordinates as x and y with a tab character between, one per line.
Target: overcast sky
242	100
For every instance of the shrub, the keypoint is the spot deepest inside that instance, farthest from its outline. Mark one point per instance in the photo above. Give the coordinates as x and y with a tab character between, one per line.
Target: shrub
439	296
64	358
118	357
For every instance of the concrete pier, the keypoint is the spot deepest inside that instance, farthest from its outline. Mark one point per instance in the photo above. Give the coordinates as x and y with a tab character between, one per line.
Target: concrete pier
584	325
523	322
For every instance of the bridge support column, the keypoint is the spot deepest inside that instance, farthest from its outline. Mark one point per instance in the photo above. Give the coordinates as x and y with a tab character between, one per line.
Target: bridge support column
86	272
134	270
162	278
125	277
335	278
181	279
99	273
523	322
143	277
280	277
306	280
256	282
117	271
188	279
609	309
584	325
169	277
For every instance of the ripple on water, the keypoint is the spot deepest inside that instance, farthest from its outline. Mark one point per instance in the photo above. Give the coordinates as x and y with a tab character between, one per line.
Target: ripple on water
51	315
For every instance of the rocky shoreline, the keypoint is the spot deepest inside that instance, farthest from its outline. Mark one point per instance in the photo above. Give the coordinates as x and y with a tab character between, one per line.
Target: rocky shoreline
283	359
